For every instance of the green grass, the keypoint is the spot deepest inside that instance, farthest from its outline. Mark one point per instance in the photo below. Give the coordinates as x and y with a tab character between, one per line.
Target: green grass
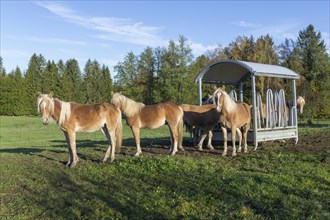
279	181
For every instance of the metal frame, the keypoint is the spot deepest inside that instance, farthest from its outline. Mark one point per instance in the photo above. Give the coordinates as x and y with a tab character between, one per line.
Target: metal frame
243	70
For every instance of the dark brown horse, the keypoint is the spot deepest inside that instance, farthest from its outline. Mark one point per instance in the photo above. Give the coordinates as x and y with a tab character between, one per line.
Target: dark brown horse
72	117
139	115
205	116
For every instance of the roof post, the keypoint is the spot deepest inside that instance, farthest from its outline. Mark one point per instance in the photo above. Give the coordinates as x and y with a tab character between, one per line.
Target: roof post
254	111
200	90
241	91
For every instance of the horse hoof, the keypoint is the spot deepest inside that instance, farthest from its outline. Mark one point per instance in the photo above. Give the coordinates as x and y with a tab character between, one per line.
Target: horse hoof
181	148
173	153
137	154
224	154
211	147
234	155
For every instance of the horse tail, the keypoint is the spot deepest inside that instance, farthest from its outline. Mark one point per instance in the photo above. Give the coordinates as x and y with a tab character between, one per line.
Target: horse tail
119	133
180	129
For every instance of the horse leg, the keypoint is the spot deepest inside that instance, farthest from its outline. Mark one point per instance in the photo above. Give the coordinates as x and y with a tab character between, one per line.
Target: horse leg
233	139
224	132
175	137
72	141
209	143
111	140
69	148
200	144
245	133
136	133
239	133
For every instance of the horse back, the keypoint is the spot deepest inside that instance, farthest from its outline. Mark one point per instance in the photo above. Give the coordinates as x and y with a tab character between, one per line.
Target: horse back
91	117
154	116
200	115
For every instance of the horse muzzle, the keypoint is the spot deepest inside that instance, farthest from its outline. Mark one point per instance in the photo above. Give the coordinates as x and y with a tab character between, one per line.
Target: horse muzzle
45	121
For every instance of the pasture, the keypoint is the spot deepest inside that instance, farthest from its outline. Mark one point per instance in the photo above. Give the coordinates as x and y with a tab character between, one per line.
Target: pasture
279	181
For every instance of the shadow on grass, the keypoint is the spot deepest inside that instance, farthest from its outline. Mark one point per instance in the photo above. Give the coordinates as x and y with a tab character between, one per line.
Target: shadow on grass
22	150
69	196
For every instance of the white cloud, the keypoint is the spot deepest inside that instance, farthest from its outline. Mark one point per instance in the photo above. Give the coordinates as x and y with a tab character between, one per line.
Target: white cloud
111	28
246	24
199	49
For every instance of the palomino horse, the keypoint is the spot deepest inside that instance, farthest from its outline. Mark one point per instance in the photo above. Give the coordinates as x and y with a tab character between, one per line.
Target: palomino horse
300	104
233	115
72	118
139	115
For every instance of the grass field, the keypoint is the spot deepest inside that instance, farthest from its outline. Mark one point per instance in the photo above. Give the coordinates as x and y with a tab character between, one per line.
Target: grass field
279	181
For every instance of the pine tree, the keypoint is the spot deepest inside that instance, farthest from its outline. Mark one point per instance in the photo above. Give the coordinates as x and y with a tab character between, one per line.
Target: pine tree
33	81
146	79
106	86
316	70
72	82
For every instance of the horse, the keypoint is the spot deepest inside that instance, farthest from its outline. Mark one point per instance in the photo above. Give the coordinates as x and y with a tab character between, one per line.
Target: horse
205	116
300	108
234	115
139	115
72	117
300	104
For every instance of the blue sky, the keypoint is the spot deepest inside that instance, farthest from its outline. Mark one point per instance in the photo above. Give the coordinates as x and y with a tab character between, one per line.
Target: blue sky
108	30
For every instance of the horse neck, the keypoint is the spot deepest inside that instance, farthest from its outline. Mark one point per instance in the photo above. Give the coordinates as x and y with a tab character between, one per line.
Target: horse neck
57	110
130	107
228	105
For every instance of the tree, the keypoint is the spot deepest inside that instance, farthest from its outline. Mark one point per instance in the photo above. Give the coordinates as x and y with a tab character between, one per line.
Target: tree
126	75
72	82
315	69
145	78
106	86
264	51
2	68
33	80
242	48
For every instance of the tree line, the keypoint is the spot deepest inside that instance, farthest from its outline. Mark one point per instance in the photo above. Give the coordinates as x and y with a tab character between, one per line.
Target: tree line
167	74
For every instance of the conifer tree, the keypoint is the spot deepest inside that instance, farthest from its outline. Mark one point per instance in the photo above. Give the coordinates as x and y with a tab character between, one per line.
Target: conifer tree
33	80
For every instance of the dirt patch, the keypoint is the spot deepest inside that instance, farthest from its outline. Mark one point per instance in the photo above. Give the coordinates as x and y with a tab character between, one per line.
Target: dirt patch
314	143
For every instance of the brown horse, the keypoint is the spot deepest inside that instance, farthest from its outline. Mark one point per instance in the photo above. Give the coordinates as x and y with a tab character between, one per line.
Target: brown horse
233	115
205	116
139	115
72	117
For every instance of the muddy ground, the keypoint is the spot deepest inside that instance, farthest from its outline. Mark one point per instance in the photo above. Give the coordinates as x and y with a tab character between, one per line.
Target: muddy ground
315	142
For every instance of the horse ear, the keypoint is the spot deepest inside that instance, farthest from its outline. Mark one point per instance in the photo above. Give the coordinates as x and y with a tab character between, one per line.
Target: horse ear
214	87
50	94
120	93
112	93
223	87
39	94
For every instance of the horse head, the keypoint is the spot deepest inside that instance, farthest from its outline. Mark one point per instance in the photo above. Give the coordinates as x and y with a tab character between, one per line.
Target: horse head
117	99
45	106
218	98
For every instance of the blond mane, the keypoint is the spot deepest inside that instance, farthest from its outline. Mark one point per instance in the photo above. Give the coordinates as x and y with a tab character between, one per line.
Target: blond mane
128	106
228	103
65	112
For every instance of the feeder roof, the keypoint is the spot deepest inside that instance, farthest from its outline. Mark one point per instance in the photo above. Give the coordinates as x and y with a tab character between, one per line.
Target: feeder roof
235	71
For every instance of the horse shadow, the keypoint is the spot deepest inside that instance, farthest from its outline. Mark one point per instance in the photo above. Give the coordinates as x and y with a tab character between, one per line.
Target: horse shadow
24	150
